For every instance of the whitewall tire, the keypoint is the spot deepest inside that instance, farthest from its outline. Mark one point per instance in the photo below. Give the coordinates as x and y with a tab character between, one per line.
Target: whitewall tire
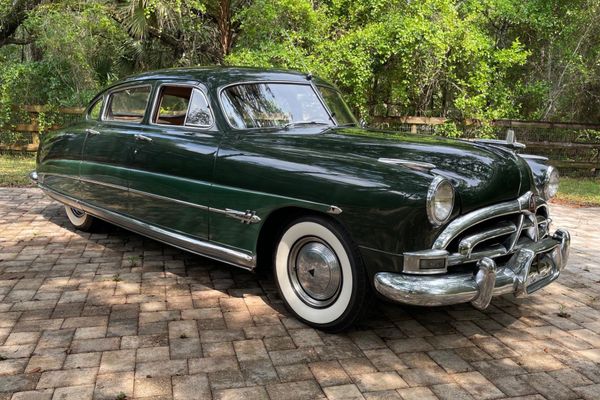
319	273
79	218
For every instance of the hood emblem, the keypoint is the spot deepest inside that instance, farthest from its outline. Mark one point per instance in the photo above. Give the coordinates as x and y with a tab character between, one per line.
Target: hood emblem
416	165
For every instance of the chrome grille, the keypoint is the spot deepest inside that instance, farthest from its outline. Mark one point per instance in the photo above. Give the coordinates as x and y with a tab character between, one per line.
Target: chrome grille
495	231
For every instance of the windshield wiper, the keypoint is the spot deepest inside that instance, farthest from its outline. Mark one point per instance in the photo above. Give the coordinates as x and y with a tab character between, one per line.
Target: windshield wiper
296	123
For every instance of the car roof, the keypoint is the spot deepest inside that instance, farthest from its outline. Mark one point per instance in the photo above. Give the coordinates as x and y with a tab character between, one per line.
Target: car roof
220	76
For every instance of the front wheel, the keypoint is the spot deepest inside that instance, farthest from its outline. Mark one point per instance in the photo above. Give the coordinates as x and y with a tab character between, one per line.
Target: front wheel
79	218
319	274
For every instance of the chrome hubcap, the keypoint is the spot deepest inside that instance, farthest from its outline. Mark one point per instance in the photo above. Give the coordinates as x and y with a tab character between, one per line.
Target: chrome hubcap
77	212
315	272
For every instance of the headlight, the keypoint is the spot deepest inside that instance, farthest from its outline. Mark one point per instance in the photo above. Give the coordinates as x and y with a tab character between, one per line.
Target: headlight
550	187
440	201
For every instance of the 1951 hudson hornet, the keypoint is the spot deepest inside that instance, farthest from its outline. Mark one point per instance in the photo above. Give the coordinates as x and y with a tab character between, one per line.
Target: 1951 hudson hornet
267	168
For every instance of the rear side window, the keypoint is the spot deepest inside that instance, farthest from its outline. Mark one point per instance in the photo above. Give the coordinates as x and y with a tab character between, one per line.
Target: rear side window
182	106
128	105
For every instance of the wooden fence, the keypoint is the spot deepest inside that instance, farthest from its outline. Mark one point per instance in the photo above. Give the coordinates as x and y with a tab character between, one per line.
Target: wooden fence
572	154
32	127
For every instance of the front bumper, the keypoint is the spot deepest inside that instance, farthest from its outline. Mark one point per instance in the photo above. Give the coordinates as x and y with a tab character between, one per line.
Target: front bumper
529	269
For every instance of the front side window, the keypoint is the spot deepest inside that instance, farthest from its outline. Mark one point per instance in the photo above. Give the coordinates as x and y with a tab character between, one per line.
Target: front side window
182	105
338	107
128	105
96	109
257	105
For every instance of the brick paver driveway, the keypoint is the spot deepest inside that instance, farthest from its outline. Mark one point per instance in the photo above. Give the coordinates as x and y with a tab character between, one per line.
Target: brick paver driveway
112	314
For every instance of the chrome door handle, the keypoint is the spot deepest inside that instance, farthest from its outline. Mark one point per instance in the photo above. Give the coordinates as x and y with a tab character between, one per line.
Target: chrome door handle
92	131
142	137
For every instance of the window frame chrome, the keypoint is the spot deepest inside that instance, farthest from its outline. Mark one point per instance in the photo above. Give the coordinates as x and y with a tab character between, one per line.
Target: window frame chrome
88	110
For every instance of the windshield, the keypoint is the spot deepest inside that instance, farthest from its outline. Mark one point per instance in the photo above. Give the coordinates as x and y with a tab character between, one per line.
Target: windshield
336	104
257	105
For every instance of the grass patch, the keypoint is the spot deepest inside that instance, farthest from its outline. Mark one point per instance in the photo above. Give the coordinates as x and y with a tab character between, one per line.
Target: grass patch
579	191
15	169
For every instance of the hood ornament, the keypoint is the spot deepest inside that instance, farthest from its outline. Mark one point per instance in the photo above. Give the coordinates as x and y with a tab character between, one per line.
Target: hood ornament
510	141
416	165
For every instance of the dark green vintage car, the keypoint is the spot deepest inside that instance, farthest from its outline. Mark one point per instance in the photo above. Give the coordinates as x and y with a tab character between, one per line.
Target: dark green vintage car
270	169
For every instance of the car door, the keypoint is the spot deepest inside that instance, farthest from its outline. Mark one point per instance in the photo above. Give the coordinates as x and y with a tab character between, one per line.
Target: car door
172	165
109	147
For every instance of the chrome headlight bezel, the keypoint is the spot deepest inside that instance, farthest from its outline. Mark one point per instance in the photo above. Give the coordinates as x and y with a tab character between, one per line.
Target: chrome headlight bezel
551	183
440	186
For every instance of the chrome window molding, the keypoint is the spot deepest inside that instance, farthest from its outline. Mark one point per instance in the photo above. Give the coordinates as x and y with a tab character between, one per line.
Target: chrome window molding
89	108
248	216
216	251
193	86
307	83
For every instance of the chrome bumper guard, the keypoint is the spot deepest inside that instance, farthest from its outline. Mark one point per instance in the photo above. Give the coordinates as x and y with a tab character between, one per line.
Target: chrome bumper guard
518	276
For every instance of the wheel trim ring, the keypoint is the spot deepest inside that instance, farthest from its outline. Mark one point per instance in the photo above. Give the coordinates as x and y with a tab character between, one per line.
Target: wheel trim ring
301	281
317	316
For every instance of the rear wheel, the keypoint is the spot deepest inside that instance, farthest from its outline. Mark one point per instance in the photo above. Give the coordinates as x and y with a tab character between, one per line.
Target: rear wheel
79	218
319	274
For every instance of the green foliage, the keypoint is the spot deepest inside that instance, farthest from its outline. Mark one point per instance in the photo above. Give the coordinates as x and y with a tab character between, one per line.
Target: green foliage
483	59
427	58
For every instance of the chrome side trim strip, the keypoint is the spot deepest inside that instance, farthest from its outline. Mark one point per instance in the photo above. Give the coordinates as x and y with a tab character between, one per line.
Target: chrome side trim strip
417	165
208	249
164	198
247	217
335	210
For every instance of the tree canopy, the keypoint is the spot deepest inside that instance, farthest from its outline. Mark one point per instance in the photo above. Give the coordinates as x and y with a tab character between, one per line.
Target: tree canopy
486	59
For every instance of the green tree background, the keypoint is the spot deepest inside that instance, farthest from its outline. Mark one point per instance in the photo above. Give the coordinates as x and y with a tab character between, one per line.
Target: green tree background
485	59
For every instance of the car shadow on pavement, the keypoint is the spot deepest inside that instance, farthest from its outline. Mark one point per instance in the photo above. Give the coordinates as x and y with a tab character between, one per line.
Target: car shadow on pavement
131	255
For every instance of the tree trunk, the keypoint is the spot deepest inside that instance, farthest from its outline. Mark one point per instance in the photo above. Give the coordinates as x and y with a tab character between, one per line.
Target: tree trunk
15	17
224	25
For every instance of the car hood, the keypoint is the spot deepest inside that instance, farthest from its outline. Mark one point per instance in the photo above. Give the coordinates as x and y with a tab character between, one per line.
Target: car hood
482	174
